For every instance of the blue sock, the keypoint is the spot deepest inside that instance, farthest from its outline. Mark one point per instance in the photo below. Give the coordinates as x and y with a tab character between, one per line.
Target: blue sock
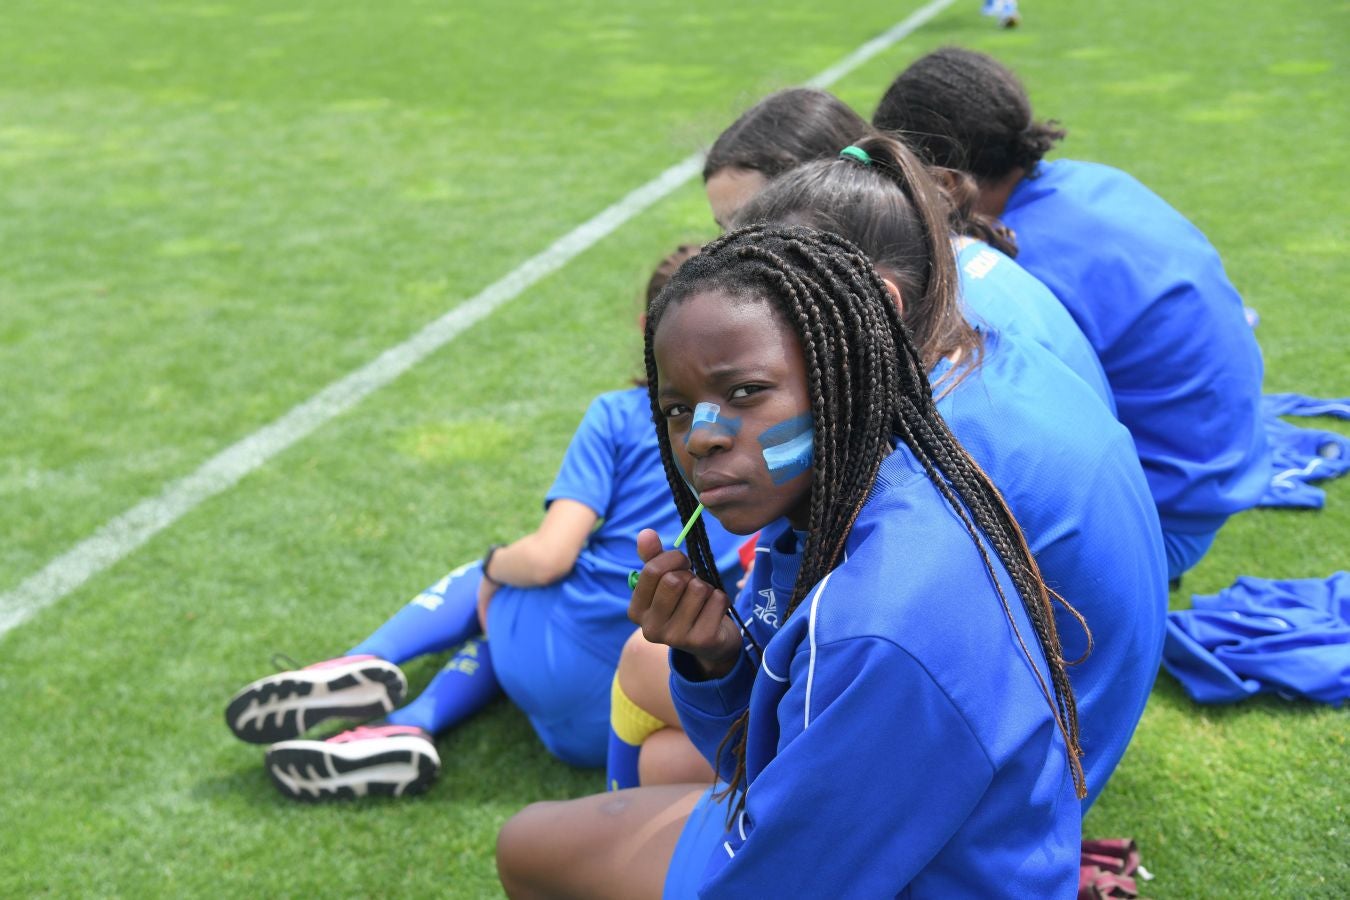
621	763
629	726
437	619
461	688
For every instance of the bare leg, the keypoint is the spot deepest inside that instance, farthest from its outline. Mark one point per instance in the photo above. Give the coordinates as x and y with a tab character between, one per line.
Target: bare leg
644	675
669	757
615	845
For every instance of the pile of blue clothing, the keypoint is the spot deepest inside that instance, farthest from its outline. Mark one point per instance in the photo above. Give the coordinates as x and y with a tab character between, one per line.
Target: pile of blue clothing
1290	638
1300	456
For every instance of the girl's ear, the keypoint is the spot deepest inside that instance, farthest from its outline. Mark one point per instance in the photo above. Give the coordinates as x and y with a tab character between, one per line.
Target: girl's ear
894	291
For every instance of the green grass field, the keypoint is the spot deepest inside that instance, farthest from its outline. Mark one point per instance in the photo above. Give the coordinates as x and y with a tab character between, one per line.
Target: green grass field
211	210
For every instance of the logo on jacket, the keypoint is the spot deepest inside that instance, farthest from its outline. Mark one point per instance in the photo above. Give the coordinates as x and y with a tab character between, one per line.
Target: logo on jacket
767	611
981	264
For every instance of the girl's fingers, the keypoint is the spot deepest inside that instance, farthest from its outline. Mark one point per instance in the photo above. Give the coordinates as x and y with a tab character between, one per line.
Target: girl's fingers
712	621
687	609
648	544
666	597
669	602
714	630
649	580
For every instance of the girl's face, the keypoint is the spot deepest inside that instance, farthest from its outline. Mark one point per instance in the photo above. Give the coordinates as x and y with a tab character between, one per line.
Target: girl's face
731	188
734	396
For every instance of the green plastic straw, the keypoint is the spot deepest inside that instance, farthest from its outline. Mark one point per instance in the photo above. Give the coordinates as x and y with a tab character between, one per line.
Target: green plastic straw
698	511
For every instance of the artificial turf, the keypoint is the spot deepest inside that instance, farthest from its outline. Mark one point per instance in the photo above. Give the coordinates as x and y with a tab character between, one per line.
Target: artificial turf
214	209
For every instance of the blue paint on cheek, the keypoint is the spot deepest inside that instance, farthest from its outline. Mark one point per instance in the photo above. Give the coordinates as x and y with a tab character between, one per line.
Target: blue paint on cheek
709	421
789	448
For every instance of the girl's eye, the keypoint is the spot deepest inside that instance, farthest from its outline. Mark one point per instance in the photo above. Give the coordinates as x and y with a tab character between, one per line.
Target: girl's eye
745	390
674	411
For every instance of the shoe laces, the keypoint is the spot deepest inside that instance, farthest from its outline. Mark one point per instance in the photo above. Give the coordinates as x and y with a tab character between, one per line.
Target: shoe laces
283	663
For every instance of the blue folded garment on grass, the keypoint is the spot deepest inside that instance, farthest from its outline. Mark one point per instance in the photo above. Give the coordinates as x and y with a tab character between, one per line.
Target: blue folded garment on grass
1290	638
1300	456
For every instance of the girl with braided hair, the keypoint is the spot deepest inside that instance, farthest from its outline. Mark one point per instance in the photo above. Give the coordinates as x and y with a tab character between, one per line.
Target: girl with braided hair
908	727
1067	468
1147	288
785	130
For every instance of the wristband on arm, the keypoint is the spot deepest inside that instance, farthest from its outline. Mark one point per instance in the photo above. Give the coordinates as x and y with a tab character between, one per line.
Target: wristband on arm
483	566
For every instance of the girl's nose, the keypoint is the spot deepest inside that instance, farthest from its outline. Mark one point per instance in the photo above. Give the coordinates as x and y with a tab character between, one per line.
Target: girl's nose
711	431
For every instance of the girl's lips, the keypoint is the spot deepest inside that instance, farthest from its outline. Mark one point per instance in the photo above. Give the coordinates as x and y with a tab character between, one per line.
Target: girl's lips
720	493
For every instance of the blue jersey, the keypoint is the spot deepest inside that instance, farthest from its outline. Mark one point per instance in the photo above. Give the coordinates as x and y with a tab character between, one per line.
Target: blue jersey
613	465
998	292
1069	473
898	738
1151	295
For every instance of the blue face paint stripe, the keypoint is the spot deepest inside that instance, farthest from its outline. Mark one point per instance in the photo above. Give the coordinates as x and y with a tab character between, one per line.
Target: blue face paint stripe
789	448
708	418
787	461
785	431
705	412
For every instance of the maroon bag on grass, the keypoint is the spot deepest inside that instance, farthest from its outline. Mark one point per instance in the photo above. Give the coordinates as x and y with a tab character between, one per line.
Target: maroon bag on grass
1107	868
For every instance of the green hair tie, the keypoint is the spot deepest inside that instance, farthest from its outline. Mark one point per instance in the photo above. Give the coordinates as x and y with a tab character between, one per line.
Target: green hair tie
856	153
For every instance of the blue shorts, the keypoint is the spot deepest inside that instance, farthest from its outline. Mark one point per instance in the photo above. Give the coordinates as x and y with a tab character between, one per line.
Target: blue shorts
1185	550
560	685
702	835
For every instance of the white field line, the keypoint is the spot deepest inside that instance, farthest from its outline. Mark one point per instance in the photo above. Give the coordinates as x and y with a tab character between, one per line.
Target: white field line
882	42
129	531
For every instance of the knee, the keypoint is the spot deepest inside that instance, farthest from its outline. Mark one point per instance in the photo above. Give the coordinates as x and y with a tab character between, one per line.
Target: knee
632	657
669	757
644	674
523	852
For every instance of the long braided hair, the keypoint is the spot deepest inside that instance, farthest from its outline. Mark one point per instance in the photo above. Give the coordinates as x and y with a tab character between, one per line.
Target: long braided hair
868	384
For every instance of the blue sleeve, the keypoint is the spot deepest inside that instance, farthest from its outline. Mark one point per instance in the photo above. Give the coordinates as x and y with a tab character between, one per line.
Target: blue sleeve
588	467
708	707
867	795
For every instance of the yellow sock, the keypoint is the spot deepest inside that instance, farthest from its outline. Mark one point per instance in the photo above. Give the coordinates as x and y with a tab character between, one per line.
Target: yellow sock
630	722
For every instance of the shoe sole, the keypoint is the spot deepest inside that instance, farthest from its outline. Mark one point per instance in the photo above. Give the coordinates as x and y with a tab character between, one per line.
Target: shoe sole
286	705
312	771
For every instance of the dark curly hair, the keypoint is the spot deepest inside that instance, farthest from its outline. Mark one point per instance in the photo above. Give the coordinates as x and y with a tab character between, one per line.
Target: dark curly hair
964	110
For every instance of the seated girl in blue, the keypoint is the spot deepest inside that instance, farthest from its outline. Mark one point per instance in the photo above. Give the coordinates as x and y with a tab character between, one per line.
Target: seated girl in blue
1145	286
554	605
998	292
797	126
1065	466
908	728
